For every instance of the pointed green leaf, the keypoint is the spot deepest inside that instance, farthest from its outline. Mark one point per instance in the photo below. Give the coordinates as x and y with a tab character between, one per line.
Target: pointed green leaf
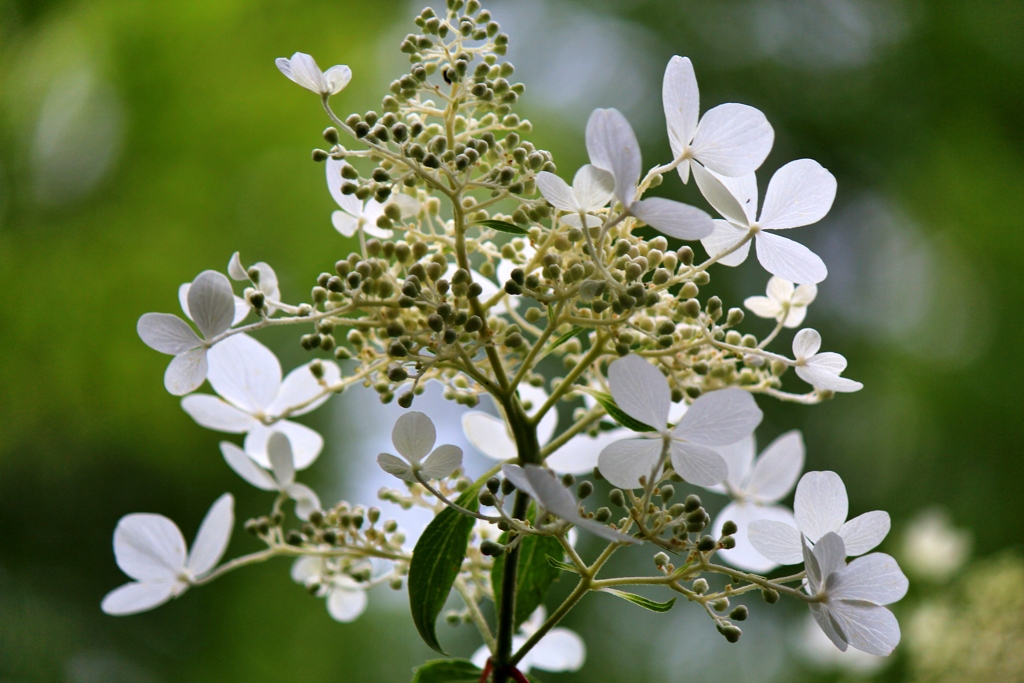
576	331
447	671
504	226
646	603
534	575
564	566
617	414
436	561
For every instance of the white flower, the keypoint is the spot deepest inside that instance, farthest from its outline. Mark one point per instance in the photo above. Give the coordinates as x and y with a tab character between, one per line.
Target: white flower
544	487
354	214
266	281
281	476
816	648
785	303
800	193
820	507
491	436
821	370
592	189
613	147
210	303
850	597
346	597
255	402
933	548
302	69
559	650
718	418
414	436
731	139
756	486
150	549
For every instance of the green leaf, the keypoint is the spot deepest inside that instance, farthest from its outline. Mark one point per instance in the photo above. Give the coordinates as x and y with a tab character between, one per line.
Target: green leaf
436	561
646	603
504	226
534	575
576	331
617	414
447	671
564	566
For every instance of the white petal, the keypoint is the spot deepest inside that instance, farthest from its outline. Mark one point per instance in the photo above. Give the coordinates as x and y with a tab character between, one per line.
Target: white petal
821	504
235	268
744	555
580	454
698	464
674	219
301	392
344	223
133	598
828	361
245	372
517	475
719	196
827	623
863	533
640	390
624	462
186	372
805	295
788	259
739	458
762	306
306	569
830	552
573	220
337	77
811	566
744	189
268	282
681	100
395	466
733	139
408	207
242	309
827	380
806	343
593	187
873	578
559	650
724	237
557	192
612	146
306	500
869	628
413	435
346	605
244	467
213	536
800	193
489	435
442	462
282	463
149	547
778	468
302	69
720	418
211	303
213	413
795	317
306	443
480	657
779	290
776	541
167	333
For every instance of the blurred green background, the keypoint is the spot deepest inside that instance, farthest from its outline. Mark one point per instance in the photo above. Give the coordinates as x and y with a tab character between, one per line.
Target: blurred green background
142	142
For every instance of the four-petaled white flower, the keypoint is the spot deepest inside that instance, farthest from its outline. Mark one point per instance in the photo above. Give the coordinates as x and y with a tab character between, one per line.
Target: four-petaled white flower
346	597
718	418
281	476
545	488
785	302
849	598
490	435
592	189
302	69
756	486
800	193
354	214
613	147
731	139
820	507
821	370
210	303
414	436
265	280
558	650
150	549
255	402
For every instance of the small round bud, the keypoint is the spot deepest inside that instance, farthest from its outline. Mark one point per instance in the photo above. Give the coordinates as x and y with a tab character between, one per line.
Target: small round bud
729	528
660	560
568	480
685	255
487	498
667	492
584	490
740	613
700	586
602	515
735	316
706	544
732	633
691	308
720	605
405	400
331	135
617	498
691	503
491	549
507	487
319	155
493	484
770	595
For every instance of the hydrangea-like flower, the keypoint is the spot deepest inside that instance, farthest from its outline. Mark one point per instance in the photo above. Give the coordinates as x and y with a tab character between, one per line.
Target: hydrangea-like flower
354	214
756	486
281	476
210	303
414	437
592	189
785	302
150	549
612	146
254	401
820	507
346	597
718	418
821	370
800	193
490	435
731	139
559	650
302	69
850	597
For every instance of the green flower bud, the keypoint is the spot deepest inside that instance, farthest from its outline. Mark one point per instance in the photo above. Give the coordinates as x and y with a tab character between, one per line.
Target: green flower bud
617	498
740	613
700	586
692	503
729	528
770	595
